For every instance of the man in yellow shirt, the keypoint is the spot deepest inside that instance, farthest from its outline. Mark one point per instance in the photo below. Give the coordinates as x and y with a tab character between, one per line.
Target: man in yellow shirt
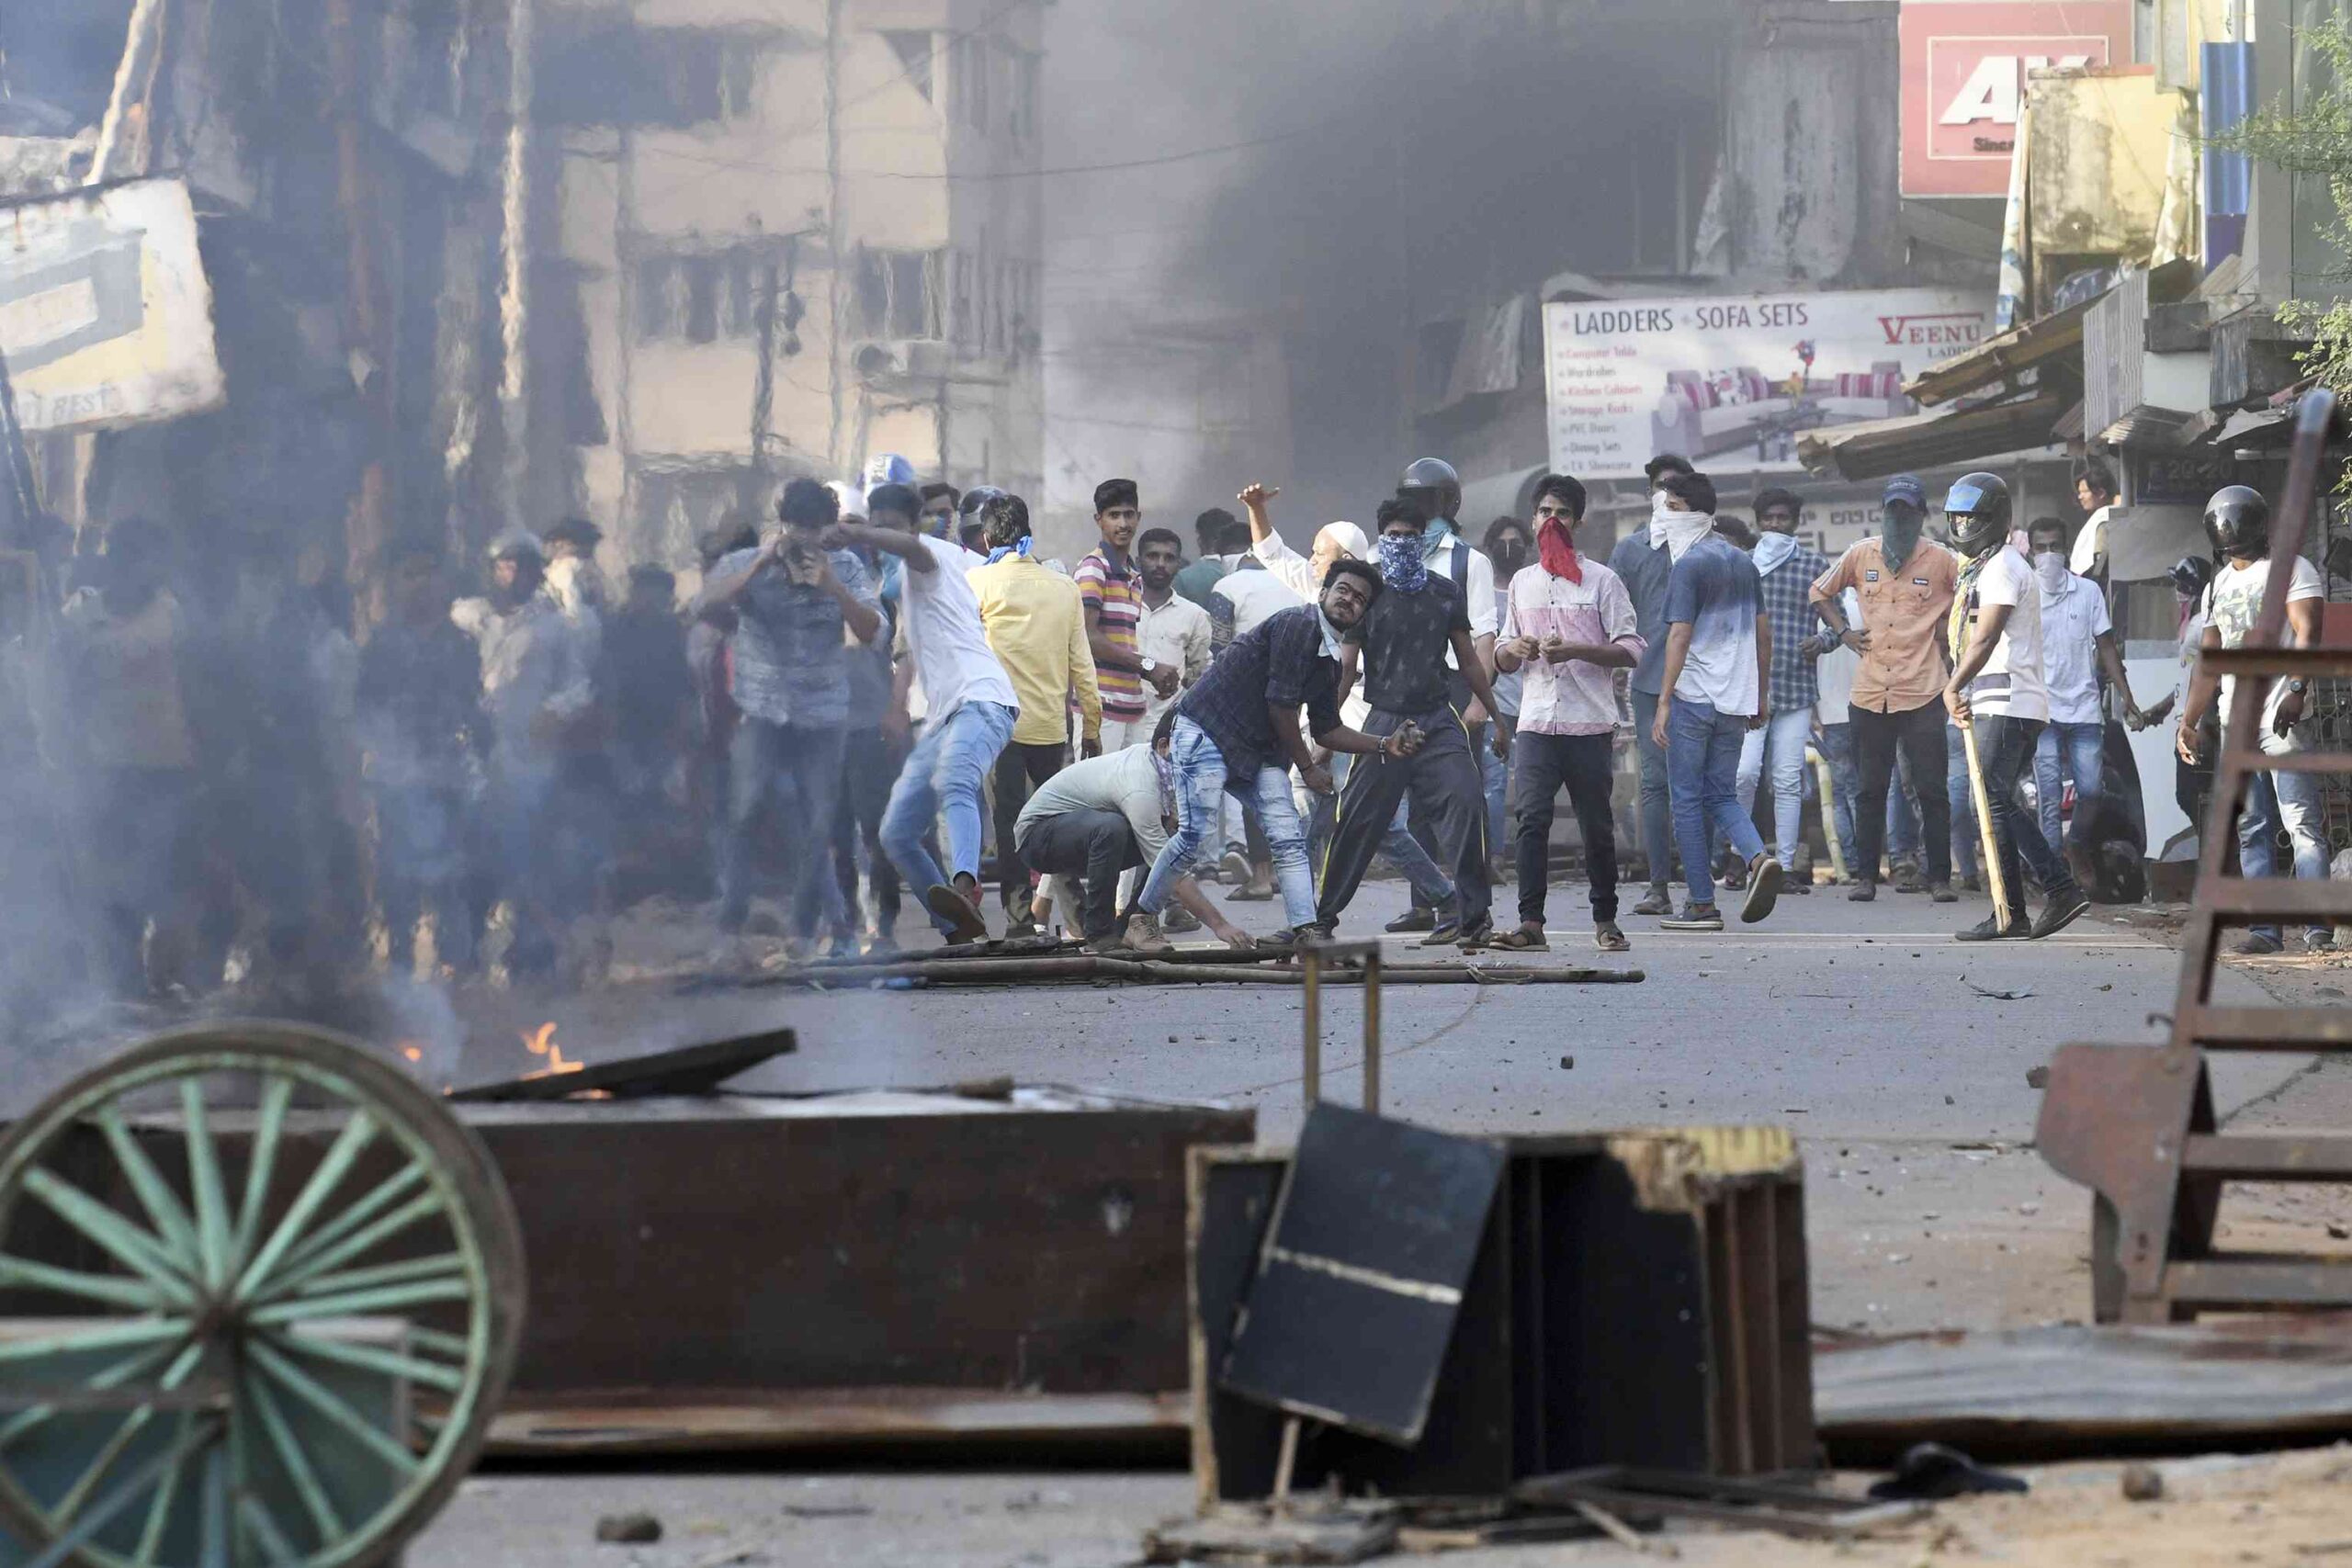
1036	627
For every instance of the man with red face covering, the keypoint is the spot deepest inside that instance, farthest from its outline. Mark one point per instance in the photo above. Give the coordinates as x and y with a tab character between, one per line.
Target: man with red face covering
1569	624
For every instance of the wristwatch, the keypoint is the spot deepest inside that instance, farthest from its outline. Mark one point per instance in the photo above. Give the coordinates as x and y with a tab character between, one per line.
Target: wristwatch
1149	664
2299	685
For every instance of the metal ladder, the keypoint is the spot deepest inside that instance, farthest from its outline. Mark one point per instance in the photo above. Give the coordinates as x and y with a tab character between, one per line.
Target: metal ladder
2136	1124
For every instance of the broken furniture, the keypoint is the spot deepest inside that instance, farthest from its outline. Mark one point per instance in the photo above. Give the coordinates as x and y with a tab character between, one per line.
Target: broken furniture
295	1285
1784	1508
1637	1298
2136	1124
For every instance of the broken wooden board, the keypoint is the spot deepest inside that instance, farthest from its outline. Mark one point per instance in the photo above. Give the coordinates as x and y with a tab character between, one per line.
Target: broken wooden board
1627	1492
1349	1533
2071	1391
639	1423
1360	1279
687	1069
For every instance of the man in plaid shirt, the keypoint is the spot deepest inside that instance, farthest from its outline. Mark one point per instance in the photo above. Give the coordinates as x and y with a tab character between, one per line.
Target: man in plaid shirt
1787	567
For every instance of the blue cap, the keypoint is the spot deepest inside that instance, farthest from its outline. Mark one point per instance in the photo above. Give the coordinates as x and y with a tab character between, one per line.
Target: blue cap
889	468
1907	489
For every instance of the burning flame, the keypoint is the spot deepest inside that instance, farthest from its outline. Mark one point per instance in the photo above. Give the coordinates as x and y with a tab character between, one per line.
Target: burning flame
540	1042
413	1053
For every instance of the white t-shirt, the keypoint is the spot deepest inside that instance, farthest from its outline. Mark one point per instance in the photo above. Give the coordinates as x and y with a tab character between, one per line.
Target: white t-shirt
953	664
2088	542
1835	669
2010	684
2072	624
1254	593
2231	606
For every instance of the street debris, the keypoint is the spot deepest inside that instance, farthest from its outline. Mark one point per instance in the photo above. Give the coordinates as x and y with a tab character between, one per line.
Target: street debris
2142	1483
1932	1471
628	1530
1991	995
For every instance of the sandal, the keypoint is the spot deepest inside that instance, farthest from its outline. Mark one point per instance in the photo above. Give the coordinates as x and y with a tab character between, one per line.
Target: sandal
1521	939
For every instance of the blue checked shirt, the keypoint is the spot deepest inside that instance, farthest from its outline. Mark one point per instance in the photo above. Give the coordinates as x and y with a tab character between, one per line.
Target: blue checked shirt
1796	678
791	648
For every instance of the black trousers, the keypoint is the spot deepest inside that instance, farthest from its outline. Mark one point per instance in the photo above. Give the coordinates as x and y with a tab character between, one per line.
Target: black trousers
1919	733
1447	792
869	767
1021	767
1094	846
2005	750
1540	765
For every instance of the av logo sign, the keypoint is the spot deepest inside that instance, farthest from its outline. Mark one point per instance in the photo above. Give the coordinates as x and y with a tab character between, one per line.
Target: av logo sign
1965	66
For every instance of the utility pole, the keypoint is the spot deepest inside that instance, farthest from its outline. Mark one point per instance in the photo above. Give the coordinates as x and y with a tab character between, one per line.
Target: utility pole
513	293
364	526
836	241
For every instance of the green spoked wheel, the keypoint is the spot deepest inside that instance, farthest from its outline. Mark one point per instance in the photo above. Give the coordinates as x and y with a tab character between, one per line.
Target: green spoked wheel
263	1294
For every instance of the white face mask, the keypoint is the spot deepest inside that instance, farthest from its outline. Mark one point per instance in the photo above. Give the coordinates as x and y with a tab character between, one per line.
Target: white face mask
2051	567
1674	532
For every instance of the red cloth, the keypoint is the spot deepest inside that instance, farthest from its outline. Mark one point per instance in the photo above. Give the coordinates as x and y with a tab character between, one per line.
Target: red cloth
1558	555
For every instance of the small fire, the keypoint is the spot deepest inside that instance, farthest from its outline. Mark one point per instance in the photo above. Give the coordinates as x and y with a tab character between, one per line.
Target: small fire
540	1042
413	1053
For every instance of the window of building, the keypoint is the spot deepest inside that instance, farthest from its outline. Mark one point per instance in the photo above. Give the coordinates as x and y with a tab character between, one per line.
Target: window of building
656	77
961	319
704	296
897	294
915	51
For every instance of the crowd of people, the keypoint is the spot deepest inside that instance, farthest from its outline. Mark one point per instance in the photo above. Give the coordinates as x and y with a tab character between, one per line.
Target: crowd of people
888	690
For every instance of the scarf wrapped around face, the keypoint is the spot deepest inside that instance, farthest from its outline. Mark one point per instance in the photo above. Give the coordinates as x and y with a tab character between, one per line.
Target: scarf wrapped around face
1401	563
1558	550
1674	532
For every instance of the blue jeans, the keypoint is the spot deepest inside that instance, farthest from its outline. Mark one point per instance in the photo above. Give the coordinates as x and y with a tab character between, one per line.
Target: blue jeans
2065	749
1657	815
1966	836
798	767
1845	783
2298	799
942	778
1779	746
1199	769
1497	782
1703	763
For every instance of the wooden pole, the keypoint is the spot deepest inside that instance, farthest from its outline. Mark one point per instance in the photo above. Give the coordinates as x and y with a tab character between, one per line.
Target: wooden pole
1371	1032
1994	882
1311	1017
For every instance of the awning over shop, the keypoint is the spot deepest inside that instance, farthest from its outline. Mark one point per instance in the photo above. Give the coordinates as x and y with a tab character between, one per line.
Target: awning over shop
1497	495
2058	336
1935	439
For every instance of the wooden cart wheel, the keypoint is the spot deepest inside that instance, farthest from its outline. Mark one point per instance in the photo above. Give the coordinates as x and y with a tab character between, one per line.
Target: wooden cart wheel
285	1328
2106	1262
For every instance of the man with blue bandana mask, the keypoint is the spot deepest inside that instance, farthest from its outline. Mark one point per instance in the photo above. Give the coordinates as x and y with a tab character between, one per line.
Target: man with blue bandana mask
1398	644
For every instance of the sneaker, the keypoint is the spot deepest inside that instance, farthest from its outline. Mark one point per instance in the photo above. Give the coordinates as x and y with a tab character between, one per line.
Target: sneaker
1177	919
1412	921
1609	939
1234	869
1862	893
1908	878
961	914
2255	945
1143	934
1990	929
2062	910
1479	933
1795	882
1660	901
1941	893
1764	879
2319	939
1694	918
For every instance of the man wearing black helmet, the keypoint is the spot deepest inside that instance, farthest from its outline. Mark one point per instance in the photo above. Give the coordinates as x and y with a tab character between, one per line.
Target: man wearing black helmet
1997	689
2237	521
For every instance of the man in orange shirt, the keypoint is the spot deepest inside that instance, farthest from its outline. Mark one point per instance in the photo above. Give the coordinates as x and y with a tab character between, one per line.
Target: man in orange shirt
1906	584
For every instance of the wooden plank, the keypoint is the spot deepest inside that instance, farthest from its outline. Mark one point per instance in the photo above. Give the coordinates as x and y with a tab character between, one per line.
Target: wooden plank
799	1419
2282	1157
1361	1280
2047	1393
689	1070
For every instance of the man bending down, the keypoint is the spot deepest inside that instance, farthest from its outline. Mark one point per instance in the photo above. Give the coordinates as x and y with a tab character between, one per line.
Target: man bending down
1238	732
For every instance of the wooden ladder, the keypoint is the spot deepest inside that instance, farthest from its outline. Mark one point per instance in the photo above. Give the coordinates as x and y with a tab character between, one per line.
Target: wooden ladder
2135	1123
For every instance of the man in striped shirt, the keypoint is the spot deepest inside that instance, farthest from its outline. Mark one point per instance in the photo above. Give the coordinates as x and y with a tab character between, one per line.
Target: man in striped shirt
1113	601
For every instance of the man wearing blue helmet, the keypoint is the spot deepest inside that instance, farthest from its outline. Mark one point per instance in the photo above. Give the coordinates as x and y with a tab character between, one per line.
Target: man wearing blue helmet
1996	688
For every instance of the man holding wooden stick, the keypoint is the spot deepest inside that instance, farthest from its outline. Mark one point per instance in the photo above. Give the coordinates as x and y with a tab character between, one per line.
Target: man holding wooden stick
1996	696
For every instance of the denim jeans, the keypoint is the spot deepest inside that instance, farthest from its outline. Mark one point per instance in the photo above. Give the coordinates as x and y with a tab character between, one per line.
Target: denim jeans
1781	746
1845	785
2067	749
2004	751
1199	769
942	778
1967	838
1431	887
2298	799
1497	781
798	767
1657	813
1702	759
